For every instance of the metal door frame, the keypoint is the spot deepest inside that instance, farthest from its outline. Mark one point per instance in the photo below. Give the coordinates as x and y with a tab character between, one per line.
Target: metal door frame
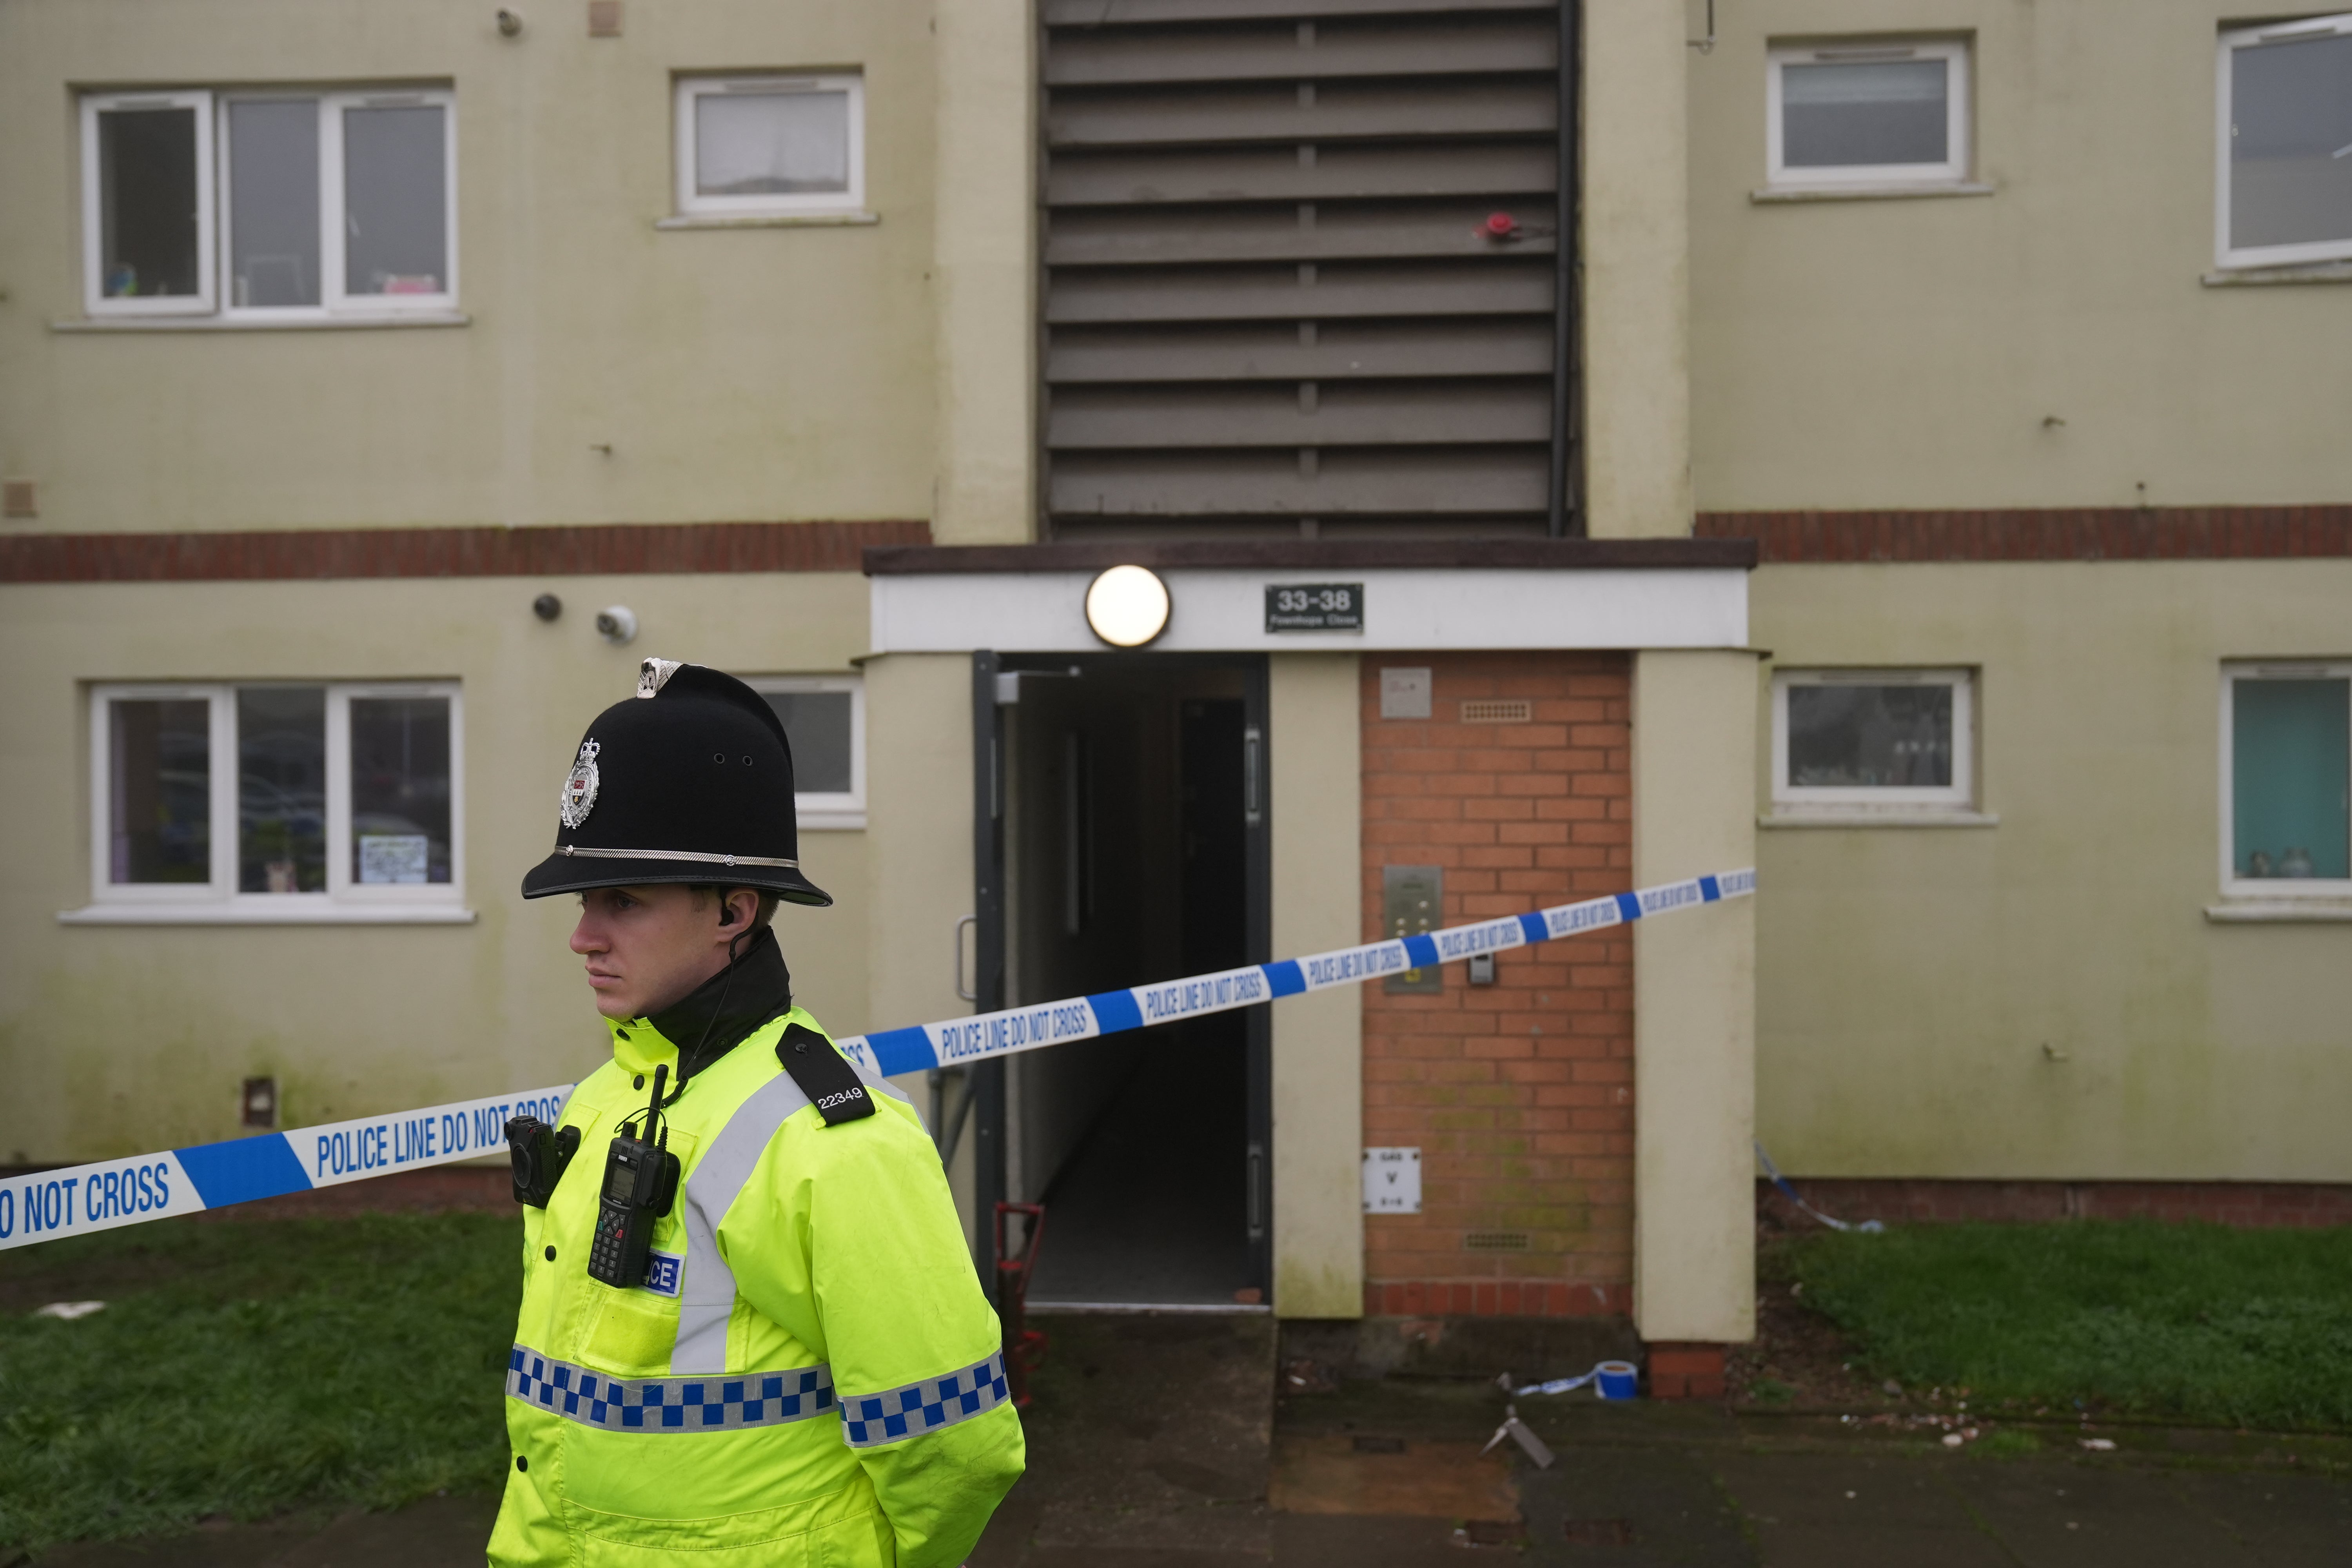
989	982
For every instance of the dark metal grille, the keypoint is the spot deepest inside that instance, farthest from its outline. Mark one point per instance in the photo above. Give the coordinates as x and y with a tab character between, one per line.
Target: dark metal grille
1301	267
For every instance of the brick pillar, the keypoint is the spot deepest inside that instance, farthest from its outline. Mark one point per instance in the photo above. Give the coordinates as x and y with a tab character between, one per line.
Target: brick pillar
1683	1369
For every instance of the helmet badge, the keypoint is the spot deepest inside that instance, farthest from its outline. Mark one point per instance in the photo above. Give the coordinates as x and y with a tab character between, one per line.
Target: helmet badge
580	788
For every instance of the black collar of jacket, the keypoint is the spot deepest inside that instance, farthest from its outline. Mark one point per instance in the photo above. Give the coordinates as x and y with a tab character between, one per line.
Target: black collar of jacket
720	1014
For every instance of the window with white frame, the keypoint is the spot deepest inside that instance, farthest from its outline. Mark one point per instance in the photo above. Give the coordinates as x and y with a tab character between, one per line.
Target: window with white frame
824	719
277	798
2284	174
2286	779
772	145
1867	114
277	205
1873	737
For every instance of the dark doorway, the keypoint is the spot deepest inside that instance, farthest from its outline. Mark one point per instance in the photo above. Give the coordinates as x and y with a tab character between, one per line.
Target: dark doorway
1134	853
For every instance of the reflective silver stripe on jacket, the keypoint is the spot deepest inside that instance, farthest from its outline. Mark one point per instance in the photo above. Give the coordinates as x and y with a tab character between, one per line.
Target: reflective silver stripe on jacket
668	1404
706	1298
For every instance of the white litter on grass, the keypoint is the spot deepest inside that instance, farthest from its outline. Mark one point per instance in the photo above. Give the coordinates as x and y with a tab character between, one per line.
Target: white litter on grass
1953	1440
2097	1445
68	1311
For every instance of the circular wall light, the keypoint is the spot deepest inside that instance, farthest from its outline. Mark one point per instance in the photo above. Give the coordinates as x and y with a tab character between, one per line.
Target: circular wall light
1128	606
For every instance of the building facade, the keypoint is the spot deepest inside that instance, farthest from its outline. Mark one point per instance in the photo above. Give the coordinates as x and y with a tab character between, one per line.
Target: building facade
1887	445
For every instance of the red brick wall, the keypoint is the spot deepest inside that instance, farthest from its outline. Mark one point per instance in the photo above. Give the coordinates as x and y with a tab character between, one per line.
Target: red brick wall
1519	1095
1902	1201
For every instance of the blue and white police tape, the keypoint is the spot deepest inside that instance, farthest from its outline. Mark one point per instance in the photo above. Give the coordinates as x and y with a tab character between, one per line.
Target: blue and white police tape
1772	1174
105	1193
958	1040
1609	1379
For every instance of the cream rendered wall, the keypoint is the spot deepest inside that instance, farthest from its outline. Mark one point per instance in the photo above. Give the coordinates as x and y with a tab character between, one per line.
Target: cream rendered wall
771	372
987	290
117	1039
1316	794
918	854
1912	977
1635	275
1695	1069
1908	352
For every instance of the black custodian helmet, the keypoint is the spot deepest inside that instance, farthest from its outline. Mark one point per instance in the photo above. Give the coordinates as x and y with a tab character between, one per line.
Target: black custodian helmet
690	781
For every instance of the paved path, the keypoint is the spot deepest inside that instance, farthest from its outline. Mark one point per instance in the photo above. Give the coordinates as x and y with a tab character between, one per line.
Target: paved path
1156	1442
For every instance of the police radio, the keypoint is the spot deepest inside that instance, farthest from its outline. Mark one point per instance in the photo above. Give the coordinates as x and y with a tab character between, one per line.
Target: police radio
540	1154
640	1186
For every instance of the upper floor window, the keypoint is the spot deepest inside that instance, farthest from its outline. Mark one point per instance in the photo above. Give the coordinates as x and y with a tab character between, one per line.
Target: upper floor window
269	205
2284	176
1867	114
1873	737
751	146
276	800
824	718
2286	779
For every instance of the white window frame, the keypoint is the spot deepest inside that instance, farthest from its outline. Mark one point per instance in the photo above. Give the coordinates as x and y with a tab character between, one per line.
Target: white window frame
2224	256
781	205
214	175
2266	889
94	298
219	898
1958	795
1953	171
827	809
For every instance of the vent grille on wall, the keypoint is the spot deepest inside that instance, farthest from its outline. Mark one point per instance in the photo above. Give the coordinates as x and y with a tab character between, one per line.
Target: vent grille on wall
1496	1240
1301	267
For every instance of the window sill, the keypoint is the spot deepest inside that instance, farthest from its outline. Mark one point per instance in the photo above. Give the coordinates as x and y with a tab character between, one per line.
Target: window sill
262	913
832	821
770	220
1876	817
2308	272
340	323
2280	911
1773	195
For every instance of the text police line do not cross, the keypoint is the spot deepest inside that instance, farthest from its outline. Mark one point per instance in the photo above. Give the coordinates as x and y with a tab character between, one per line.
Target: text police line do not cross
106	1194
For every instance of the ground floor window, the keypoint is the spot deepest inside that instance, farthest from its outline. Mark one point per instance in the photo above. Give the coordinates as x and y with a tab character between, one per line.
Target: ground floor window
1873	737
824	719
313	795
2286	779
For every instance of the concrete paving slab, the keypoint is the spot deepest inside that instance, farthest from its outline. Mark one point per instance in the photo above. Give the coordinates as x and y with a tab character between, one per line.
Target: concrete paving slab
1829	1510
436	1530
1634	1507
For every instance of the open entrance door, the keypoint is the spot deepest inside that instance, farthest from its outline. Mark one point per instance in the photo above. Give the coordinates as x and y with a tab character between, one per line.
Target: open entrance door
1129	839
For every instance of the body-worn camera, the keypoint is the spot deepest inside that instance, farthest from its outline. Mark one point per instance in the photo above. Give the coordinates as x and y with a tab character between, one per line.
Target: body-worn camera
640	1186
540	1154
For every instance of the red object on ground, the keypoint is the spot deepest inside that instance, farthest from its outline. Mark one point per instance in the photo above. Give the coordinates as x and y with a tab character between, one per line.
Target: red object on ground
1502	226
1680	1370
1024	1347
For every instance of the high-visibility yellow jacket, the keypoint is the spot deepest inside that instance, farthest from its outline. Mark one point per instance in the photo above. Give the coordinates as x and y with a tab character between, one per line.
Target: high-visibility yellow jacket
825	1385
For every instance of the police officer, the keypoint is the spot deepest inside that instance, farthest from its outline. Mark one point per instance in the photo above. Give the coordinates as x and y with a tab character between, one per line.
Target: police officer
801	1369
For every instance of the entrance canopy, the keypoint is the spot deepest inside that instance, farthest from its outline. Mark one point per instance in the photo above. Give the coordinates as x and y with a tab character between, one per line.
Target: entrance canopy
1416	594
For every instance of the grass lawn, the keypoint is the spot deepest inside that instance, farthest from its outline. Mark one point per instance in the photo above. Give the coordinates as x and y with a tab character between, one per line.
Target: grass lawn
2197	1322
245	1368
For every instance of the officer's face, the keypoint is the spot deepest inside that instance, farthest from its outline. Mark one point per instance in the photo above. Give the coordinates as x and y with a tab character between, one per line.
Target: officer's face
647	947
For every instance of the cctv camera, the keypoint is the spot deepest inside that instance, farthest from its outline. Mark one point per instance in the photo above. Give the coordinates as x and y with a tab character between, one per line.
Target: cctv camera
616	623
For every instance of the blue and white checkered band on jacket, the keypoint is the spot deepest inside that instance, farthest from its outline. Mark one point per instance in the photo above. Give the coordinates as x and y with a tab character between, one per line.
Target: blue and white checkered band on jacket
713	1404
926	1407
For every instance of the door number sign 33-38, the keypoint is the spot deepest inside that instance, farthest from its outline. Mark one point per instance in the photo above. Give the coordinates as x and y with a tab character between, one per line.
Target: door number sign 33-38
1314	607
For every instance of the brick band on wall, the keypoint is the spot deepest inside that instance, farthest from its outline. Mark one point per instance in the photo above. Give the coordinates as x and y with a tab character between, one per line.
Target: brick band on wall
619	549
2081	533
